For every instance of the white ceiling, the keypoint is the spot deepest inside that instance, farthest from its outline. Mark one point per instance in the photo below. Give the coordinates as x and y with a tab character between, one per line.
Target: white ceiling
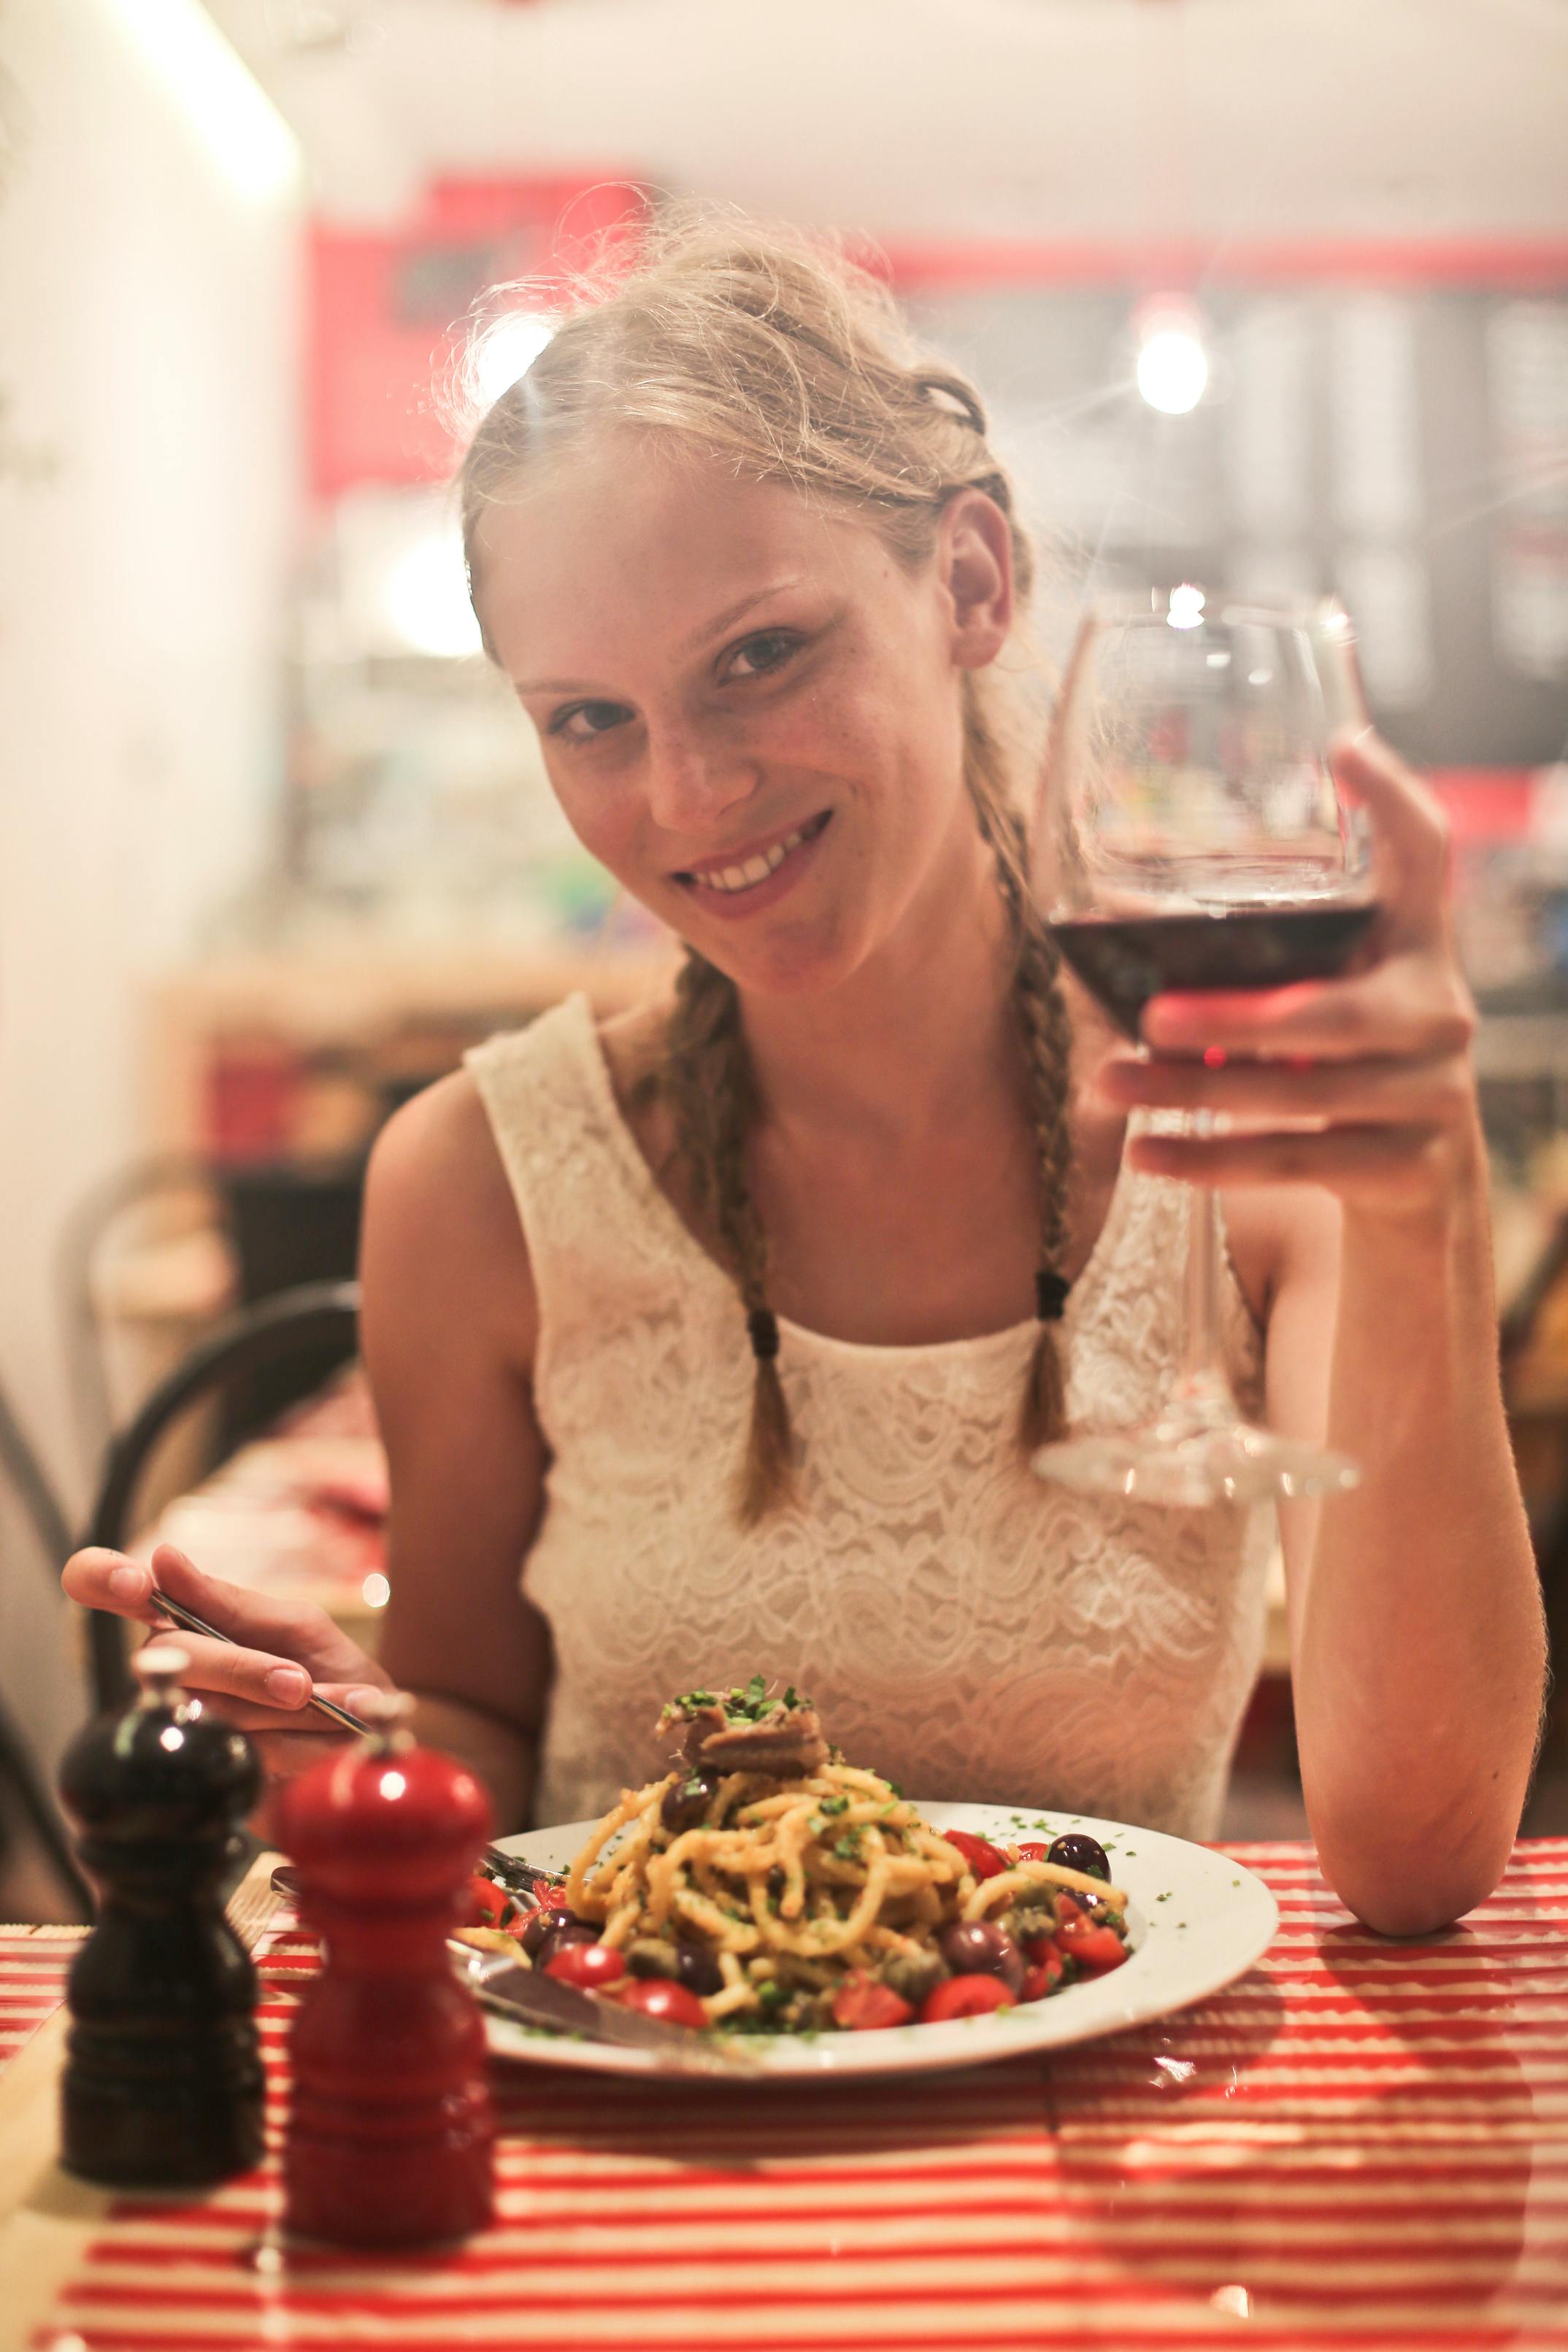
940	118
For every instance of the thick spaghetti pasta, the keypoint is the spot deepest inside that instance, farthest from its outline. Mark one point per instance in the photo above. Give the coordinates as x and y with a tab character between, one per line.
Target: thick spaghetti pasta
771	1887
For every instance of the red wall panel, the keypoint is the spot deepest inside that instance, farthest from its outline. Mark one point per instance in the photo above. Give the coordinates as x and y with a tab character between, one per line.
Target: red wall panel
388	313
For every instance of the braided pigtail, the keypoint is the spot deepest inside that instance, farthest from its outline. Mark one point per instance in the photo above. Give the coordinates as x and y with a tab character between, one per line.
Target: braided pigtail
1047	1036
712	1096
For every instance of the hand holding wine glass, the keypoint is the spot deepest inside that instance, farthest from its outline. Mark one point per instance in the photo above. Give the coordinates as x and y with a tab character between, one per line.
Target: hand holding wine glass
1192	838
1377	1061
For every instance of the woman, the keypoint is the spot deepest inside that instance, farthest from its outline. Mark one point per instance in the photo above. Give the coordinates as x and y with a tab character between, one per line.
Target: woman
735	1321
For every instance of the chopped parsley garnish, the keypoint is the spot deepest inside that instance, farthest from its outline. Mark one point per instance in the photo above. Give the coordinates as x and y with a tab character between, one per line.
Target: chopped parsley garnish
744	1703
848	1846
833	1805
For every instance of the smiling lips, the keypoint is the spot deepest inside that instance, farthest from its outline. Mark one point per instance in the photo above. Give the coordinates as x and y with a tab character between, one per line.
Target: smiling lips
749	872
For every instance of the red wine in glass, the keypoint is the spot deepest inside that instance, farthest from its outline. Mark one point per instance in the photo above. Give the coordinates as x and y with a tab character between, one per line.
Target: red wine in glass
1190	835
1124	960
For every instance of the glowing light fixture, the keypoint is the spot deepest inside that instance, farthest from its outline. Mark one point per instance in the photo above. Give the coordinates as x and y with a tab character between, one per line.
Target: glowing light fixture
1186	607
1172	365
426	599
225	104
509	350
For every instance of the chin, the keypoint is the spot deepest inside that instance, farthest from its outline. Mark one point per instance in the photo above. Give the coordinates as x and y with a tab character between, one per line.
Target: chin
801	966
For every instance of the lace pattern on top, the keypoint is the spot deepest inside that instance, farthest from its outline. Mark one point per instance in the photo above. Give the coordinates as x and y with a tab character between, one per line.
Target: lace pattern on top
965	1629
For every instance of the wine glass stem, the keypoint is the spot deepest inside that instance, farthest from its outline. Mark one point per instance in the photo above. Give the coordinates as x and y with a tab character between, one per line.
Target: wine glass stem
1203	1387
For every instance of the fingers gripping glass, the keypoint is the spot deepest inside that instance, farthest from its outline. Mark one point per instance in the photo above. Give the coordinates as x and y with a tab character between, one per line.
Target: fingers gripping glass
1190	835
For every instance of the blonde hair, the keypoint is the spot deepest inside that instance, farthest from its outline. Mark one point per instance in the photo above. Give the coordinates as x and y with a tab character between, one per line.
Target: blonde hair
777	358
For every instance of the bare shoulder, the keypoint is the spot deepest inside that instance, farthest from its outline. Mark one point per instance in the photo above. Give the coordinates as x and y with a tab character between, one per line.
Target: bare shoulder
441	1227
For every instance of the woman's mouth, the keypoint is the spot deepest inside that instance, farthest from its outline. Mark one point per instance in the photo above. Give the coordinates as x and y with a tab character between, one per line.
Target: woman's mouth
737	882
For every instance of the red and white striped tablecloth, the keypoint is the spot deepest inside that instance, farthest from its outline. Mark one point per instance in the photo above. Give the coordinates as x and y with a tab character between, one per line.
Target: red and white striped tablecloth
1358	2145
33	1965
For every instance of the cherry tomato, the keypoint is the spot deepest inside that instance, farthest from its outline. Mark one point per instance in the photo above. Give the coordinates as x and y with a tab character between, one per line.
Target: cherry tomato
861	2005
1034	1852
1097	1949
490	1902
963	1997
549	1898
591	1966
658	1997
985	1859
1044	1972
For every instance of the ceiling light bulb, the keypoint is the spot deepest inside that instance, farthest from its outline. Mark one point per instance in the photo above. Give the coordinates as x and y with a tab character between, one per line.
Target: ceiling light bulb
426	600
1186	610
508	350
1172	365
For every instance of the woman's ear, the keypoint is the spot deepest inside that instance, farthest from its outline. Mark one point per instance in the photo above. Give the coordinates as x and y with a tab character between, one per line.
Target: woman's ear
974	563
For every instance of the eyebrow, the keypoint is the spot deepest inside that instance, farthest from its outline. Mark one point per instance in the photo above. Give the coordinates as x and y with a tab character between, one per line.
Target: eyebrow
699	637
733	613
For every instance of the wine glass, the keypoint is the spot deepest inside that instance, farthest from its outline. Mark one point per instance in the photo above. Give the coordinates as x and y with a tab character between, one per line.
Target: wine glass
1189	836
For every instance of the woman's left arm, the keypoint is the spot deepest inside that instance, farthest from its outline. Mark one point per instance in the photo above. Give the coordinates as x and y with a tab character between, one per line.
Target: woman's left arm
1418	1654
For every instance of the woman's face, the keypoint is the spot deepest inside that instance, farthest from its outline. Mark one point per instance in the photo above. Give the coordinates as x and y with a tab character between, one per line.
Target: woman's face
750	708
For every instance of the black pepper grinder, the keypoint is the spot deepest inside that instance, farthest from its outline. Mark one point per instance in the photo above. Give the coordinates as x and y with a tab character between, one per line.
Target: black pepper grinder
163	2081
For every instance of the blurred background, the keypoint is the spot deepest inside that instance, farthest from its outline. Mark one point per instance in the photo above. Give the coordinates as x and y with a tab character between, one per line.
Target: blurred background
1266	294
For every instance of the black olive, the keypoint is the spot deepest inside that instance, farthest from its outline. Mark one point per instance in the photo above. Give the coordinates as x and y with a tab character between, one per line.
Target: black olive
548	1930
1077	1850
698	1971
686	1801
979	1947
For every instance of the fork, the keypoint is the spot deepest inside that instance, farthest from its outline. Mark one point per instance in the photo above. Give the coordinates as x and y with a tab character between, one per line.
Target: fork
518	1877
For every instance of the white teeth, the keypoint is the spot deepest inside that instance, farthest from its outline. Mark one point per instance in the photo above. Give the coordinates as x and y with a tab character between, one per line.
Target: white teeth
755	869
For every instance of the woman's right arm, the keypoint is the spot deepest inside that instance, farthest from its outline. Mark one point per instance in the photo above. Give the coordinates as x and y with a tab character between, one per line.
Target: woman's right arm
446	1333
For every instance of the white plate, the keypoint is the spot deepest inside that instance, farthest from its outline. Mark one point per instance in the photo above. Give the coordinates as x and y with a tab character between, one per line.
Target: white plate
1196	1922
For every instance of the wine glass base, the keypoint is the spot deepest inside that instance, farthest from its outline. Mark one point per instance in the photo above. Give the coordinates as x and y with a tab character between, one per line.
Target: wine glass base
1192	1466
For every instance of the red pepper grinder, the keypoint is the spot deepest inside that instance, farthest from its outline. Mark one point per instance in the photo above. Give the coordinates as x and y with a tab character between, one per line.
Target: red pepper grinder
391	2135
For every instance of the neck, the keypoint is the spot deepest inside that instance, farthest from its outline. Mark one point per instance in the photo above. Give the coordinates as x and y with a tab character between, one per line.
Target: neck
920	1032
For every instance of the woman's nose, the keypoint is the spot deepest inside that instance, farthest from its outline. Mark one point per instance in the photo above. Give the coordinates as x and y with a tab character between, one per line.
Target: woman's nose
691	780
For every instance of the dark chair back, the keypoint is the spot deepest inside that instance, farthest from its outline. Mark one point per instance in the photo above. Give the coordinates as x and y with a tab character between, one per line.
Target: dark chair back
28	1480
313	1320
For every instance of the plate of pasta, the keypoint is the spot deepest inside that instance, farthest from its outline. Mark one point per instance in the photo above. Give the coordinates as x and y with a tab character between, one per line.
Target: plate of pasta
763	1888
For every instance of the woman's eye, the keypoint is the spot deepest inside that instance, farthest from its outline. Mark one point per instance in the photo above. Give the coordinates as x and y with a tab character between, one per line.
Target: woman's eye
768	650
581	721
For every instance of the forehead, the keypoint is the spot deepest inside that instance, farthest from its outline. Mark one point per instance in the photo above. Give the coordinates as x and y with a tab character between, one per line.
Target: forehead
628	544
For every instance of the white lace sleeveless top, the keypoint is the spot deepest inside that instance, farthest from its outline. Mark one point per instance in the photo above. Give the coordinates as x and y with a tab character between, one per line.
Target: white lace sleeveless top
965	1629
